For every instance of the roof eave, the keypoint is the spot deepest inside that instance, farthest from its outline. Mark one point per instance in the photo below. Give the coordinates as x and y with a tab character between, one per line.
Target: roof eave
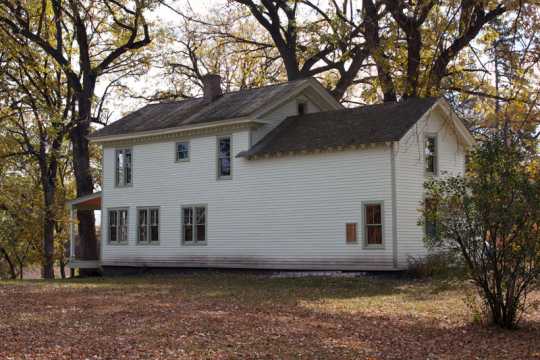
179	129
460	127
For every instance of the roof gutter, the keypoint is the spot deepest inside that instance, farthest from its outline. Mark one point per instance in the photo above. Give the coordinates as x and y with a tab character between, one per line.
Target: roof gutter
179	129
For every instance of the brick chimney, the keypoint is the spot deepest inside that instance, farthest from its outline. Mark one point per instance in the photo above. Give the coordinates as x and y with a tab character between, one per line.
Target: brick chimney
211	86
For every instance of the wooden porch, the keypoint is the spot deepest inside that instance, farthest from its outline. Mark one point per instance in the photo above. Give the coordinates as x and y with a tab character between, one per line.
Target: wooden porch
76	260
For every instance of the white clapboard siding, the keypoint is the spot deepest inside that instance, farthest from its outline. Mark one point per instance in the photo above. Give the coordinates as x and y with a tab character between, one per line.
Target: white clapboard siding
410	177
273	118
287	212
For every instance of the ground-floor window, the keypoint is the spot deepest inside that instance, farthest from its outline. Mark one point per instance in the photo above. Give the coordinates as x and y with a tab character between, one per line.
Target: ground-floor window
373	224
430	225
194	225
148	225
118	226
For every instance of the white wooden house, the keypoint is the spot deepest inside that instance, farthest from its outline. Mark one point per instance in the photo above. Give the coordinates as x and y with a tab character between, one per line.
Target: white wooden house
278	177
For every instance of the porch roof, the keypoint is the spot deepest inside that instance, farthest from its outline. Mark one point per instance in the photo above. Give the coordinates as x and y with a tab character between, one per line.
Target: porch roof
87	202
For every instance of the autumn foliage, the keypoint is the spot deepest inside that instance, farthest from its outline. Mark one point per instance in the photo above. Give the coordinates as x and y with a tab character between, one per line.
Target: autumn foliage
491	218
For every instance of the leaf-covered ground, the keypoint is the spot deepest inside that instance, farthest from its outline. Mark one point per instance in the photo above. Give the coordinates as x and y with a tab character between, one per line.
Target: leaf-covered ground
210	315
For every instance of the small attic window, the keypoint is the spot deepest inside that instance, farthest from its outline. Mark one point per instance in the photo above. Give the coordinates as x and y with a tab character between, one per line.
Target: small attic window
301	108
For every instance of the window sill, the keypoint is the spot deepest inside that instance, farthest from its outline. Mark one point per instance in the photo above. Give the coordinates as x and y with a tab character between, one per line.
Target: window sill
374	247
224	178
199	243
117	243
155	243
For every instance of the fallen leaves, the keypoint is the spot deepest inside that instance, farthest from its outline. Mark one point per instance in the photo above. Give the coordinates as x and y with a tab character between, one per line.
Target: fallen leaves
235	316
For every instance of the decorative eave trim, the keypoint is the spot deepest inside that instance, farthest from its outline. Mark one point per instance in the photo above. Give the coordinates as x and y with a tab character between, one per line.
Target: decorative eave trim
178	133
460	128
329	149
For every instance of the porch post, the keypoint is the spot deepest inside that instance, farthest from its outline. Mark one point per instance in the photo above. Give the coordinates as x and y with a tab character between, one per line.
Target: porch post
71	239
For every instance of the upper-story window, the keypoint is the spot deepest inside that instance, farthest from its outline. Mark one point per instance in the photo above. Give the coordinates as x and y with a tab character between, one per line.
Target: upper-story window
430	155
224	158
123	167
182	151
301	108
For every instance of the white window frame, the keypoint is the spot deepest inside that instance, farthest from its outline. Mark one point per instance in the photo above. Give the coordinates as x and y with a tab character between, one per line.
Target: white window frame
365	204
188	145
117	228
193	241
218	168
435	155
123	183
148	225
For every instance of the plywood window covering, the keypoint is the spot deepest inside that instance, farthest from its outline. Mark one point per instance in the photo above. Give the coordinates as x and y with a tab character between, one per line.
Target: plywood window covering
351	232
373	224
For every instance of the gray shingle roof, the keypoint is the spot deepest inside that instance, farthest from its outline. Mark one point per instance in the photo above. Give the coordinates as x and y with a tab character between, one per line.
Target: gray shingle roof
347	127
196	111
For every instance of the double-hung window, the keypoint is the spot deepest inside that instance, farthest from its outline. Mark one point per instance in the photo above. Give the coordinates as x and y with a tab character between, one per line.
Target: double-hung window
148	225
224	158
182	151
373	225
123	167
194	225
430	155
118	226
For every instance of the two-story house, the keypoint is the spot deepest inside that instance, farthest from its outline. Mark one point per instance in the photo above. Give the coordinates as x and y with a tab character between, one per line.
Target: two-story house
277	177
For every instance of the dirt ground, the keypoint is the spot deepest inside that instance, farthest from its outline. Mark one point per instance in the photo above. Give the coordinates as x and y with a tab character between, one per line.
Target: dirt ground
212	315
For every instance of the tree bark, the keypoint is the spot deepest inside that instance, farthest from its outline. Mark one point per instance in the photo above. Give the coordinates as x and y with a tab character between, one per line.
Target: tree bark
371	23
13	272
83	175
48	167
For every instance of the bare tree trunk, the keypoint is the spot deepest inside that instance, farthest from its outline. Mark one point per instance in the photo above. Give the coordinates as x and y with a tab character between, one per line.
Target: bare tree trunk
13	272
48	246
83	175
62	269
48	172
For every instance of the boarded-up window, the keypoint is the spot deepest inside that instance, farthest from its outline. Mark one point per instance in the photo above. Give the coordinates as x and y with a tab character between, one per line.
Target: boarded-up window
351	232
373	227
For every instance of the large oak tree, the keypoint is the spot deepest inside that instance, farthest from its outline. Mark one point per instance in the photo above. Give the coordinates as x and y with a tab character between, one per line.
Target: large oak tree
87	40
